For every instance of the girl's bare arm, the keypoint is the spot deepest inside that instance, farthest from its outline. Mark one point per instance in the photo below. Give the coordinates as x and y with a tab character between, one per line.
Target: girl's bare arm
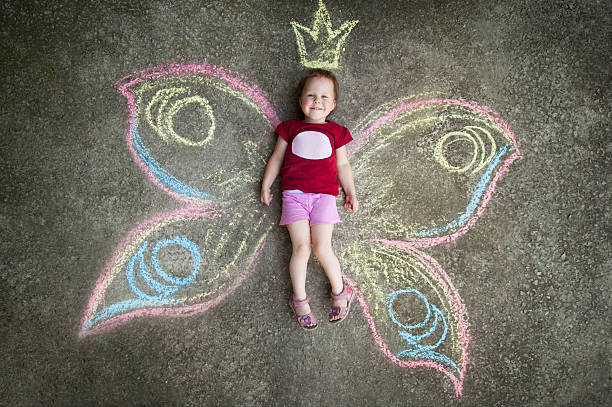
272	170
345	176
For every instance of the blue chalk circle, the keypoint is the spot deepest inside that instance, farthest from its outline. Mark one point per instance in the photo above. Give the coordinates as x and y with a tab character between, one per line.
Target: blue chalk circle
163	291
414	339
393	296
195	255
158	293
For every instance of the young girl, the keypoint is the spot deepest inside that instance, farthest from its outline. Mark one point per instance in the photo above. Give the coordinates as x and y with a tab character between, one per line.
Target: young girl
311	156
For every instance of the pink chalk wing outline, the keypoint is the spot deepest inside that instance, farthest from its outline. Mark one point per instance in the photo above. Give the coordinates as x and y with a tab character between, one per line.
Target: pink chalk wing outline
410	245
197	208
459	313
494	117
193	209
125	249
234	81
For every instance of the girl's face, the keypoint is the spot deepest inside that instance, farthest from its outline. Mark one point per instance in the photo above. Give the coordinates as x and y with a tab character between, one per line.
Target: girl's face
317	99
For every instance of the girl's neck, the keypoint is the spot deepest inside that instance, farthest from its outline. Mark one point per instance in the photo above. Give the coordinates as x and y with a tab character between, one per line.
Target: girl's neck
315	122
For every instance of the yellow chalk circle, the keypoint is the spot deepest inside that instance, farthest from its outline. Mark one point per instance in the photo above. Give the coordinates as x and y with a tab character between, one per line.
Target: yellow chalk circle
159	102
182	103
472	134
167	108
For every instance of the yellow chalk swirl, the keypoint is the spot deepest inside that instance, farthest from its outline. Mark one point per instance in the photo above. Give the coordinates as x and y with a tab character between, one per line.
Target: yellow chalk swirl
167	107
473	136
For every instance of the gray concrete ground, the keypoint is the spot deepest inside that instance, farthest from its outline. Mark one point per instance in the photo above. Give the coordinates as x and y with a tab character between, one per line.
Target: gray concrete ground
534	272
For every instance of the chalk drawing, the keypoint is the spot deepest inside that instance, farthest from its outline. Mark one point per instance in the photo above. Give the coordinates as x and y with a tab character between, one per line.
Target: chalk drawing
156	96
416	341
472	135
454	152
218	252
426	169
378	269
163	291
163	123
320	46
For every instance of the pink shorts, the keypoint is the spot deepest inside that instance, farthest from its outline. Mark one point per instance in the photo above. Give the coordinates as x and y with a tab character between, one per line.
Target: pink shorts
316	208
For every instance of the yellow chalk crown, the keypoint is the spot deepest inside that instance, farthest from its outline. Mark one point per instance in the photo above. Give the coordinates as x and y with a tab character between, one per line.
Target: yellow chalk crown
324	43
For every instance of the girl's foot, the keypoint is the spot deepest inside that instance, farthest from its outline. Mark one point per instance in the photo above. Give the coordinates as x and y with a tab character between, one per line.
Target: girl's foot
341	304
305	317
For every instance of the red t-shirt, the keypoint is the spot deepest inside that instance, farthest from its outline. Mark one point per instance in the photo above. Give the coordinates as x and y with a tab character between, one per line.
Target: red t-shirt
310	160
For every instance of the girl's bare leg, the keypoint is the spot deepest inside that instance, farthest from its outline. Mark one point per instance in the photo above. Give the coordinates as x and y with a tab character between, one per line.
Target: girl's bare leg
322	246
300	241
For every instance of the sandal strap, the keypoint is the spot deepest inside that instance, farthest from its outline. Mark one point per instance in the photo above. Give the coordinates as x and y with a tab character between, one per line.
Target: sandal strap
344	295
300	302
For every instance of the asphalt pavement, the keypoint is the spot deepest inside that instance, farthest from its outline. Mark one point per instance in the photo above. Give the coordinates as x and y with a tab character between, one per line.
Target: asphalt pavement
139	267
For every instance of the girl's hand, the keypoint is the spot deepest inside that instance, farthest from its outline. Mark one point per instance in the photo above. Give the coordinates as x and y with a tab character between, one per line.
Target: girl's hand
351	203
266	196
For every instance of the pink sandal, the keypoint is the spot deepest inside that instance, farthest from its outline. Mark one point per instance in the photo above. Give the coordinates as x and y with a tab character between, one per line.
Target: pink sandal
307	321
347	294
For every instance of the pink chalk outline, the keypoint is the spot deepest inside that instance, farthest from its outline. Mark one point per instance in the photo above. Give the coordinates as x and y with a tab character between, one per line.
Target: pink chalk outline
176	69
194	209
178	311
402	107
458	311
411	245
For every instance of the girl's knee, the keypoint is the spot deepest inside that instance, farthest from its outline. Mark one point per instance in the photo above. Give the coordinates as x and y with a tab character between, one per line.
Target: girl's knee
322	250
301	250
